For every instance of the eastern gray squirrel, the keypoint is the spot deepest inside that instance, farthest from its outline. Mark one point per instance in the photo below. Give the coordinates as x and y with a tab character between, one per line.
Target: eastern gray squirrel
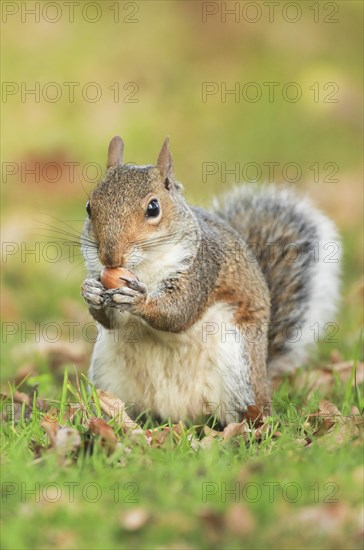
222	299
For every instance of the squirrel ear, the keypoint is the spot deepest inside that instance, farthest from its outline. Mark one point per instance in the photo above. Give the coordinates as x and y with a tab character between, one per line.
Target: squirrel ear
165	161
115	152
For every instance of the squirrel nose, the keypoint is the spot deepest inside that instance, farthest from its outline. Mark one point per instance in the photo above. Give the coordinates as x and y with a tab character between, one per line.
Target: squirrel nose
109	259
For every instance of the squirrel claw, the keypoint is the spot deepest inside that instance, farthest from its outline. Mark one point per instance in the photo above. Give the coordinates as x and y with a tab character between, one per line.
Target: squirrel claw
92	292
125	296
135	284
94	283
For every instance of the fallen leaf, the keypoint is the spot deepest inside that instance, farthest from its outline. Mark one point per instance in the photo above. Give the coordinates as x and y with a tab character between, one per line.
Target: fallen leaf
235	429
99	427
328	413
210	432
157	437
50	426
116	409
254	415
21	397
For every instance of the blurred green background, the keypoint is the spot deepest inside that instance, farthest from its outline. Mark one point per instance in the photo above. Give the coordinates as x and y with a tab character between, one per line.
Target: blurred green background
158	55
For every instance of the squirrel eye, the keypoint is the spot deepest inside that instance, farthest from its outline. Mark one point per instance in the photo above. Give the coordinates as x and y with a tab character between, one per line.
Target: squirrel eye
153	209
88	209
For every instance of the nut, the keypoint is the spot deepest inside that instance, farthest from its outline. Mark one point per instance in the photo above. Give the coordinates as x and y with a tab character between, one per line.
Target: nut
111	277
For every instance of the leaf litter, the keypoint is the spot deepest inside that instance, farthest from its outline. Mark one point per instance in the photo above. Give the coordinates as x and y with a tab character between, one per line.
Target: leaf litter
104	420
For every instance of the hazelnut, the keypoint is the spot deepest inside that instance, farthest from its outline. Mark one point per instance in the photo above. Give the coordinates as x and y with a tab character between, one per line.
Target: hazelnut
111	277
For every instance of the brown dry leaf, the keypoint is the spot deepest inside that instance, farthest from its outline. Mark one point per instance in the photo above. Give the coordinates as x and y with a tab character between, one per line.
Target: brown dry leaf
327	409
350	427
239	520
234	429
21	397
115	408
135	519
339	428
50	426
210	432
329	414
345	369
157	437
69	411
99	427
254	415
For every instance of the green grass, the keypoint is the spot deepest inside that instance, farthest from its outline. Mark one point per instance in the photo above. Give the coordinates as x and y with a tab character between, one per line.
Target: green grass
186	490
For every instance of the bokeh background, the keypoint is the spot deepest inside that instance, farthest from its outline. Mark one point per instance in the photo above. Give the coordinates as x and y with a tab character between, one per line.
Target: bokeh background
157	56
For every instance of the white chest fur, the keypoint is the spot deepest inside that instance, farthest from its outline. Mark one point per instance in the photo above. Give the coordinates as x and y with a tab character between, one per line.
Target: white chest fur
166	258
180	375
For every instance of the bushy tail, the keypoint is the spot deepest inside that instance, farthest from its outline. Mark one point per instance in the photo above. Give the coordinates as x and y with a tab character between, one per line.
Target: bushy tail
298	251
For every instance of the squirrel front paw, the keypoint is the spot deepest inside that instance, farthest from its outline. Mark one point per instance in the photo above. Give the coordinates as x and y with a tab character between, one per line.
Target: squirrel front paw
127	298
93	292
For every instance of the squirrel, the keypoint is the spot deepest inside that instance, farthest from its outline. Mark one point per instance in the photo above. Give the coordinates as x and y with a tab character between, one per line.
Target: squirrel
222	299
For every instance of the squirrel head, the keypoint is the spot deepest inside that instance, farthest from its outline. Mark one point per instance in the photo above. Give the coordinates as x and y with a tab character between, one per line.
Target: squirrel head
135	209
